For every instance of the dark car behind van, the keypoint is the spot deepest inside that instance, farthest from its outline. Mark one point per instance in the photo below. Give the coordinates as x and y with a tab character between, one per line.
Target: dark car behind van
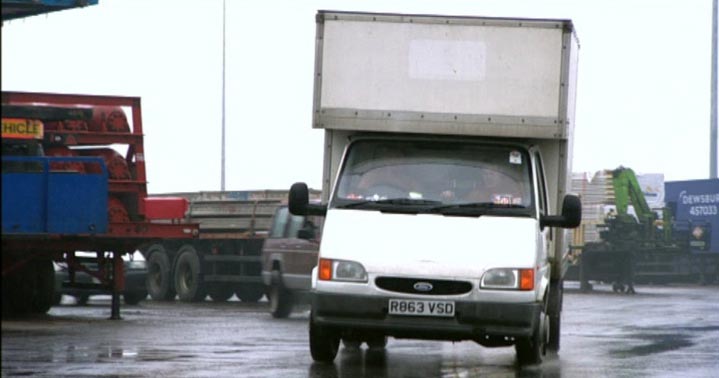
135	277
288	256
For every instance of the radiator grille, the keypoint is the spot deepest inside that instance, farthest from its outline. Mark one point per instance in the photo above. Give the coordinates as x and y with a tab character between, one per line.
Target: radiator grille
423	286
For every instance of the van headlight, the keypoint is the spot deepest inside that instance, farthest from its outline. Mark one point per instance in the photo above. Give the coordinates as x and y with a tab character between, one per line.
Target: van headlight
341	270
508	279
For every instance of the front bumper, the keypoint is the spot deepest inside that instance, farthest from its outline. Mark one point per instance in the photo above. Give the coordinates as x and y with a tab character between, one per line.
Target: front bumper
490	324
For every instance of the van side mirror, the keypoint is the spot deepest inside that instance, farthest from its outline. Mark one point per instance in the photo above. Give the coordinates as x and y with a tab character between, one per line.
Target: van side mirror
299	198
571	214
299	201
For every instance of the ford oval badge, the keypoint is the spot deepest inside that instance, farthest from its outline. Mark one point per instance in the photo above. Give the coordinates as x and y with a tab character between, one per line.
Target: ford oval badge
423	286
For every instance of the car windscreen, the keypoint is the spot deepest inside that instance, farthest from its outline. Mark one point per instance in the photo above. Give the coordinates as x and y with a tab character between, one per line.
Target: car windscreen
431	176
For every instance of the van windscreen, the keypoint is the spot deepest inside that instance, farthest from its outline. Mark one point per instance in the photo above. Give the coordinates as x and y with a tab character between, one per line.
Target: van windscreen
422	172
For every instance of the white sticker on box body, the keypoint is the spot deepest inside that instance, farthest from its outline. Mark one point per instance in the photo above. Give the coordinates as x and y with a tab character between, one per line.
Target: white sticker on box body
447	60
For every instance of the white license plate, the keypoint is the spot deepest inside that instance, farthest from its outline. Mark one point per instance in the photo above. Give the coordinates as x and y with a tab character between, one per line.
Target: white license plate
421	308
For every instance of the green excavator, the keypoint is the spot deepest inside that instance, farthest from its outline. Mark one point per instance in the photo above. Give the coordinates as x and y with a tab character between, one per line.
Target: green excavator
639	247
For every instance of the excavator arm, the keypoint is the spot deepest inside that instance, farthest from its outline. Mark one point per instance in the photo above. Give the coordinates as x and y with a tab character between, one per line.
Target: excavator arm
627	190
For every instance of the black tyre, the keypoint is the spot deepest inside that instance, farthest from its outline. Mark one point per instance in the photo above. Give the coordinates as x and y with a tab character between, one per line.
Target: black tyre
554	311
618	288
531	350
21	299
555	328
376	342
82	299
44	288
19	288
56	299
324	343
221	292
8	304
159	283
281	299
188	280
250	292
133	298
351	343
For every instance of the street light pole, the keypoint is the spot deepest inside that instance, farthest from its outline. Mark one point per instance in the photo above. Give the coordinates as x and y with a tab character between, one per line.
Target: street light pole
713	121
222	169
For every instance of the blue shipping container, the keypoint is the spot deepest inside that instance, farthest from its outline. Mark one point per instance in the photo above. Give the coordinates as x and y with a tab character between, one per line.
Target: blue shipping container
696	206
39	200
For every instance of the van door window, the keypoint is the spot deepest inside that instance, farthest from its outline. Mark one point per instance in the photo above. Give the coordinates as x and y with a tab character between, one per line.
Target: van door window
542	191
541	184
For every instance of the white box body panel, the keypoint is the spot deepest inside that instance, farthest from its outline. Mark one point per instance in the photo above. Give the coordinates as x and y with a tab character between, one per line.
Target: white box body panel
445	75
431	68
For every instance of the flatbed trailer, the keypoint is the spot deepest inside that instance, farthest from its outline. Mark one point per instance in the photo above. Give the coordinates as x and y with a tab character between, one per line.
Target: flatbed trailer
84	196
225	258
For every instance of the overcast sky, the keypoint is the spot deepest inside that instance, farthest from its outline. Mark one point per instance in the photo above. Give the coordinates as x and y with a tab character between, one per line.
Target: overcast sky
643	87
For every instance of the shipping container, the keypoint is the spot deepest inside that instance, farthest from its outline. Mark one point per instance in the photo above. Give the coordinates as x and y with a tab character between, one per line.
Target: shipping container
695	206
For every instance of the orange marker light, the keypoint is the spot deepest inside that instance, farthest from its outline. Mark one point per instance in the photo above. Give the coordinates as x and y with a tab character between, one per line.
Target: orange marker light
325	272
526	279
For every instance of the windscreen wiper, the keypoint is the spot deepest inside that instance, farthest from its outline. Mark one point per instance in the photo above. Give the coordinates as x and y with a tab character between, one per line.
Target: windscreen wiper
390	201
407	201
473	208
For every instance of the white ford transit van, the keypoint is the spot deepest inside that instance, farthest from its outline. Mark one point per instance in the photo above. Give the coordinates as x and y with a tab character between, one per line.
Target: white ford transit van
447	155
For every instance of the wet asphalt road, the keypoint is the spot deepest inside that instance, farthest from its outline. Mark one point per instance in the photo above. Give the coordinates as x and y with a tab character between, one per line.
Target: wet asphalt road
659	332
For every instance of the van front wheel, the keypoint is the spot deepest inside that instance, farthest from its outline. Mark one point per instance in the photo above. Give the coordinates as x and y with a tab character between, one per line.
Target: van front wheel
324	343
531	350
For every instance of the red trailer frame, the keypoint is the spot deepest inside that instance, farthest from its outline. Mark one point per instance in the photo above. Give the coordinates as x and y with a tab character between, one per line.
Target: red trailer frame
121	237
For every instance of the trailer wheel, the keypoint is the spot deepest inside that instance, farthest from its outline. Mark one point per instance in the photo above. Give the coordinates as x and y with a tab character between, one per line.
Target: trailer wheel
188	282
56	299
18	289
250	292
82	299
133	298
29	289
221	292
159	280
44	288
